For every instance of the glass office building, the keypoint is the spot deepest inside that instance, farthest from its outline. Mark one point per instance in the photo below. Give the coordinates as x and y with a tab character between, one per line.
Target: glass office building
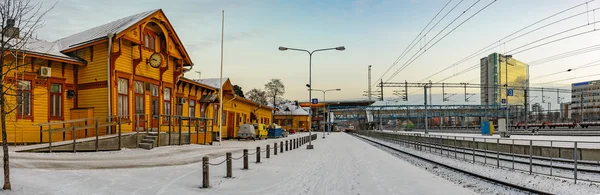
493	80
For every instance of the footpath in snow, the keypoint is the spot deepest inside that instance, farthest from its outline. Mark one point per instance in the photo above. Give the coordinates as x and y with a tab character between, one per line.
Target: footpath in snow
339	164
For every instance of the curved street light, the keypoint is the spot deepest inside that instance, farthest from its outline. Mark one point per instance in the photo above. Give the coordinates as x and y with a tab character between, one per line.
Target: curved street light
325	110
310	53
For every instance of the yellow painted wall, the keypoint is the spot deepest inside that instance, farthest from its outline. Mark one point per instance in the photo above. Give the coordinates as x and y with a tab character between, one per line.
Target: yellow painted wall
23	130
297	121
96	69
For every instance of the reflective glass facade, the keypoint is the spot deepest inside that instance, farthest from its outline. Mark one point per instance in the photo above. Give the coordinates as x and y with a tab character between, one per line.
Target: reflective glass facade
494	72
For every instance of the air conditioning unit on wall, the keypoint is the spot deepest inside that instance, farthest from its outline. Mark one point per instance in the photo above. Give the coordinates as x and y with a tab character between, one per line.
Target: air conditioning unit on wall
182	100
45	71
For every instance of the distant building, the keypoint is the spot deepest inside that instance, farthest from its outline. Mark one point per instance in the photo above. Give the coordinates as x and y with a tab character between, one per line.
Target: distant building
585	98
564	111
493	78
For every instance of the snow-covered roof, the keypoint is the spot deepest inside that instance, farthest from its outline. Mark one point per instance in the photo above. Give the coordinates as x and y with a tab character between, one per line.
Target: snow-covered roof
45	48
213	82
289	109
101	31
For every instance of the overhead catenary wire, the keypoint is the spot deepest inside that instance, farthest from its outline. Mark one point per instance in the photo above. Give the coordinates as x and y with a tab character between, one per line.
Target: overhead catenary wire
564	55
414	57
587	65
490	47
540	61
572	78
406	50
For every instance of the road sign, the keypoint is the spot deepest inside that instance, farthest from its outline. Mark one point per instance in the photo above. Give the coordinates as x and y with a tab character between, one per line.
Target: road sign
315	101
509	92
503	101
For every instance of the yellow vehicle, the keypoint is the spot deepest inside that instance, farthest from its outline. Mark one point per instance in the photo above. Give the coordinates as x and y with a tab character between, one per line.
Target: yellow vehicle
261	131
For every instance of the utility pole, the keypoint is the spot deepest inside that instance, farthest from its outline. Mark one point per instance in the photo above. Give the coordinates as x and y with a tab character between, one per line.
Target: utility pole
381	86
425	100
430	94
369	89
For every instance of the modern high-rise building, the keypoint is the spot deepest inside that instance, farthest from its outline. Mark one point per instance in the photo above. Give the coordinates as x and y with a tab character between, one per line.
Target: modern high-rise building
585	100
493	80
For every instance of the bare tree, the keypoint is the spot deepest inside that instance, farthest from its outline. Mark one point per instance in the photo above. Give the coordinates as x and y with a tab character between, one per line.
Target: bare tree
258	96
20	19
275	89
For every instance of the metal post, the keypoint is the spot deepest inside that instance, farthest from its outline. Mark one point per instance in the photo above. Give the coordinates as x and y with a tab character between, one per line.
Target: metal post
551	149
486	151
455	147
425	100
575	157
245	153
530	156
498	153
189	130
281	147
473	149
205	172
286	145
275	147
268	151
513	154
229	169
258	154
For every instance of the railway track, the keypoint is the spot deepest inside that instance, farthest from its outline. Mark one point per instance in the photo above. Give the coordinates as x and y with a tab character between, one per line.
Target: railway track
465	172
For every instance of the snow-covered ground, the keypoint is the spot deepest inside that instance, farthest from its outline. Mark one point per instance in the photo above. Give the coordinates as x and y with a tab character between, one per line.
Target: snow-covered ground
130	158
520	176
339	164
537	140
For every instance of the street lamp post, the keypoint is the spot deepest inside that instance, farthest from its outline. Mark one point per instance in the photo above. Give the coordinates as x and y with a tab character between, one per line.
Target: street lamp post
324	109
310	53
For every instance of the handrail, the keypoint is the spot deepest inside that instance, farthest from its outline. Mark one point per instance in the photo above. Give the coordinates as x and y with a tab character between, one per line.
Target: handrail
73	121
516	139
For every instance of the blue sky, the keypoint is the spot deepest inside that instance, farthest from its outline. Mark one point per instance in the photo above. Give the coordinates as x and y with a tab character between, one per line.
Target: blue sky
374	32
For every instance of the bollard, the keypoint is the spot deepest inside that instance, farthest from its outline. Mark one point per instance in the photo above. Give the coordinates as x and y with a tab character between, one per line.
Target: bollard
268	151
281	147
286	145
228	158
205	178
257	154
275	147
245	159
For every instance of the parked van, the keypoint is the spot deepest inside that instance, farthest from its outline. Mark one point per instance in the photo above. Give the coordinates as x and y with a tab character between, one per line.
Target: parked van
261	131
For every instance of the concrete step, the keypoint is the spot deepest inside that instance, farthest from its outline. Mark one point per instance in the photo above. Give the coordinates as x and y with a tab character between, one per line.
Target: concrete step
146	140
147	146
150	137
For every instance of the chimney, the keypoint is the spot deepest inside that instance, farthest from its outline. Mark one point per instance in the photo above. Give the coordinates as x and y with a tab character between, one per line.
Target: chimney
11	30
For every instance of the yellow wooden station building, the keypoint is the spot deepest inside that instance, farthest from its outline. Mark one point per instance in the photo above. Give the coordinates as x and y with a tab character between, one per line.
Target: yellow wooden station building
130	70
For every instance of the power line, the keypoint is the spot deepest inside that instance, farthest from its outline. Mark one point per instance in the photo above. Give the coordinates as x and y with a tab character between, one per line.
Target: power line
587	65
410	61
406	50
564	55
577	77
487	48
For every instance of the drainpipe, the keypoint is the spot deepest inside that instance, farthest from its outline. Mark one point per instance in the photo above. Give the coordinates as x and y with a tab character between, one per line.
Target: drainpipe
110	36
